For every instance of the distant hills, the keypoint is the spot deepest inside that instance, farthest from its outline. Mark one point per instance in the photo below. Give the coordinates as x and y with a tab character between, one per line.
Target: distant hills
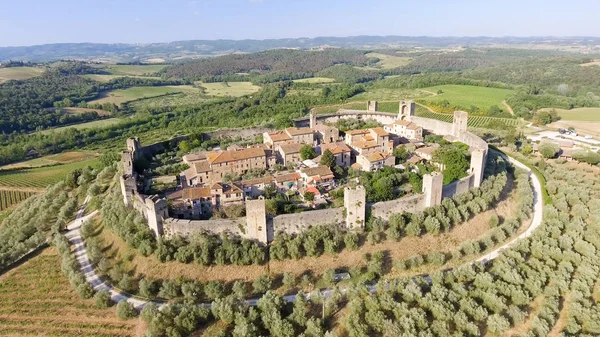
180	50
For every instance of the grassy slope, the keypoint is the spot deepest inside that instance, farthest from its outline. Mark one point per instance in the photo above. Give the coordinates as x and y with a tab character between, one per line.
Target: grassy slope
125	95
235	89
61	158
315	80
579	114
467	95
387	61
42	176
88	125
19	73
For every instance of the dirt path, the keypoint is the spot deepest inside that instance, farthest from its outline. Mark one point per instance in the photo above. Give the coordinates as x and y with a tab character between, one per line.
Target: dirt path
522	328
508	107
561	322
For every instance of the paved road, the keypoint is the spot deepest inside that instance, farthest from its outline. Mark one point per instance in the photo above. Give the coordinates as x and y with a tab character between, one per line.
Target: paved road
86	267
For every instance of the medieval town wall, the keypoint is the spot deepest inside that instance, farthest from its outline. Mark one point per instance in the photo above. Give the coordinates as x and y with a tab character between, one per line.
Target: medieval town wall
385	209
457	187
251	227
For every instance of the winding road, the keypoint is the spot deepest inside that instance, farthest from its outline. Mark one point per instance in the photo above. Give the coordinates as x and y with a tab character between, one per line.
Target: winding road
74	237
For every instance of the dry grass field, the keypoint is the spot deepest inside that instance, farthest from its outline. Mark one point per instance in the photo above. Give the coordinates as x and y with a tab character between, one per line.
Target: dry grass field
578	114
387	61
36	299
19	73
316	80
130	94
234	89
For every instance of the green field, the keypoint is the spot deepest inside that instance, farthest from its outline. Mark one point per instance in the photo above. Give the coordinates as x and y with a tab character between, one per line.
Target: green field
19	73
41	177
384	94
54	159
10	198
134	70
468	95
105	78
235	89
130	94
579	114
315	80
473	121
387	61
88	125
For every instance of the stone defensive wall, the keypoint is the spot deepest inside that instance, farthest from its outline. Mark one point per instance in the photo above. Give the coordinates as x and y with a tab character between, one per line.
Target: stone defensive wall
260	227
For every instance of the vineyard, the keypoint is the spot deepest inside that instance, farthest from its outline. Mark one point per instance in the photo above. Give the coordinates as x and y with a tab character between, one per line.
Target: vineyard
36	299
473	121
10	198
40	177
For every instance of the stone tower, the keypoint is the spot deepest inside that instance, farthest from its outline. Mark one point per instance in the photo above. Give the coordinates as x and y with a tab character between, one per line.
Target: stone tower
256	220
128	187
432	188
372	106
127	162
406	111
312	119
478	158
459	124
157	211
133	146
355	203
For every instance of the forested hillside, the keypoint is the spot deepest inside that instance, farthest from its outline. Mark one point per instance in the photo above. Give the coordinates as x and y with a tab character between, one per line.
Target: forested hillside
291	63
23	104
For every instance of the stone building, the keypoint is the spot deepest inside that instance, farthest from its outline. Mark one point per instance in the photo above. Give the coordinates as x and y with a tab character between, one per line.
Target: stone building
374	161
405	129
341	152
289	153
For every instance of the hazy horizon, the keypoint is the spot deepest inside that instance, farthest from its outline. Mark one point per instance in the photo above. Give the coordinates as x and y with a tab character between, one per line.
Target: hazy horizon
35	22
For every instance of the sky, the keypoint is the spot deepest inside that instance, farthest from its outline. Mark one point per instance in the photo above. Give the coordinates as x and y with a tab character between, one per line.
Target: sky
31	22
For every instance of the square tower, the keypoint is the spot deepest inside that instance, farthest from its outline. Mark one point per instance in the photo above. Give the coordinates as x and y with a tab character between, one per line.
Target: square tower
256	220
406	111
478	158
372	106
432	188
355	203
459	124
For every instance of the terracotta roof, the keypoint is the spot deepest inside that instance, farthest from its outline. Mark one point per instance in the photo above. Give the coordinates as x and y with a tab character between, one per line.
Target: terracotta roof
356	166
368	138
216	186
402	122
287	177
298	131
336	148
357	132
194	193
320	170
194	157
414	160
257	181
426	150
313	190
364	144
231	188
380	131
376	156
291	148
201	166
279	136
229	156
413	126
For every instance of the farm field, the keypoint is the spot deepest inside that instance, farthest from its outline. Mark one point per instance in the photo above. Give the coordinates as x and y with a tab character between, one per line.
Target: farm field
61	158
468	95
87	125
9	198
125	95
473	121
19	73
40	177
235	89
383	94
578	114
74	111
105	78
37	299
387	61
134	70
182	99
316	80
